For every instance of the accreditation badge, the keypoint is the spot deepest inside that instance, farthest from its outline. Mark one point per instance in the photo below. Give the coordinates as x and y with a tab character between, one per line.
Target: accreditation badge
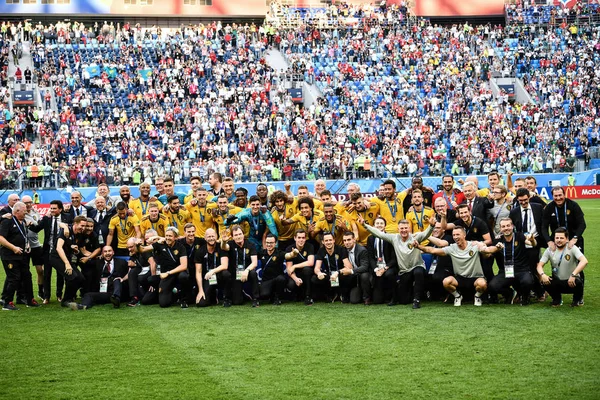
103	285
239	272
509	270
335	281
213	278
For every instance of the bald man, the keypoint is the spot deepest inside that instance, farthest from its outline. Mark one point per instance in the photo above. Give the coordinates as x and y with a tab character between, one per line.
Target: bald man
12	199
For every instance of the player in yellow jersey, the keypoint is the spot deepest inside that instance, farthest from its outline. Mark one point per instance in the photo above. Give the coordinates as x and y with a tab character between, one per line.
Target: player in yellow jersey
195	183
126	227
420	215
358	208
201	212
141	204
306	218
176	216
390	208
302	194
154	220
223	211
334	223
282	210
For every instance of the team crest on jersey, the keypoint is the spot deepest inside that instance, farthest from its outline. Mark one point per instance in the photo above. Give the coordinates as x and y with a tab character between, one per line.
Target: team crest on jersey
508	207
516	243
475	230
410	246
471	253
197	246
10	266
337	257
176	252
304	254
370	215
568	257
275	258
247	251
568	212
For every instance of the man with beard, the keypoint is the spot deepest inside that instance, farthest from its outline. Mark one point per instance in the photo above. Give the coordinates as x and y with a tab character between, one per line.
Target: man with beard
65	257
177	217
112	274
451	195
515	269
222	213
280	211
126	227
263	194
154	221
306	219
140	206
358	207
89	251
195	183
201	212
417	184
334	223
390	208
567	265
215	180
212	262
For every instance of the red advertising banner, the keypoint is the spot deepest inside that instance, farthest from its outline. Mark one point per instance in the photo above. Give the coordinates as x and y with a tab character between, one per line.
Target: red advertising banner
446	8
582	192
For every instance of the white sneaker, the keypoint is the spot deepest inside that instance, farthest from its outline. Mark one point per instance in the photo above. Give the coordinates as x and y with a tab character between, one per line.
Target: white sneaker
478	302
458	301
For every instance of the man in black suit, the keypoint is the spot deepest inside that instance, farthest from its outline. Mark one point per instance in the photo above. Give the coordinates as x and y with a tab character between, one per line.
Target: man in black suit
477	205
527	218
50	224
114	272
102	219
359	275
383	264
76	208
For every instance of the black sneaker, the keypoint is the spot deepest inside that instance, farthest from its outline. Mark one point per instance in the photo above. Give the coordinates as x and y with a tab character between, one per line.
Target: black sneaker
308	301
581	302
133	302
416	304
33	304
276	302
116	301
556	303
22	301
10	306
255	303
577	303
184	305
226	303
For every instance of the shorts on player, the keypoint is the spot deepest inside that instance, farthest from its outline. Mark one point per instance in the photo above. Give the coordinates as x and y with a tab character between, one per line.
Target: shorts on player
466	283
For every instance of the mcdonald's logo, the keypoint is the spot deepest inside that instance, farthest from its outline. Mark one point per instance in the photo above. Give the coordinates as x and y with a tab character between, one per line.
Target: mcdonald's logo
571	192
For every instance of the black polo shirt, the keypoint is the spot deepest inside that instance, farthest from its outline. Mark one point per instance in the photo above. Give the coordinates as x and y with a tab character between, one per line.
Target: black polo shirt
240	255
271	265
475	230
307	250
168	257
209	260
332	262
16	234
520	257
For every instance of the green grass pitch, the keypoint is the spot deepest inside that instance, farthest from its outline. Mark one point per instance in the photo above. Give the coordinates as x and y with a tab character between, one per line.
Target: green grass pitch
318	352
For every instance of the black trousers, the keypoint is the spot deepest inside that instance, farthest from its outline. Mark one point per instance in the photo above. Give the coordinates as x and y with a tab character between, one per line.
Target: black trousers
166	286
365	283
558	287
383	286
92	298
210	291
138	284
533	256
18	279
151	295
92	275
73	282
522	282
237	292
411	285
272	287
60	281
305	274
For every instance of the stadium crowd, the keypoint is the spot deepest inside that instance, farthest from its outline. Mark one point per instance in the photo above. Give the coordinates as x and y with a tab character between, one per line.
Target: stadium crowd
399	99
221	246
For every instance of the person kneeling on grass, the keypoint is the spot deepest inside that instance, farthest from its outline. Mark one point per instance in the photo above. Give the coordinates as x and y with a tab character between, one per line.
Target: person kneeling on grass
468	273
567	265
172	258
114	272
